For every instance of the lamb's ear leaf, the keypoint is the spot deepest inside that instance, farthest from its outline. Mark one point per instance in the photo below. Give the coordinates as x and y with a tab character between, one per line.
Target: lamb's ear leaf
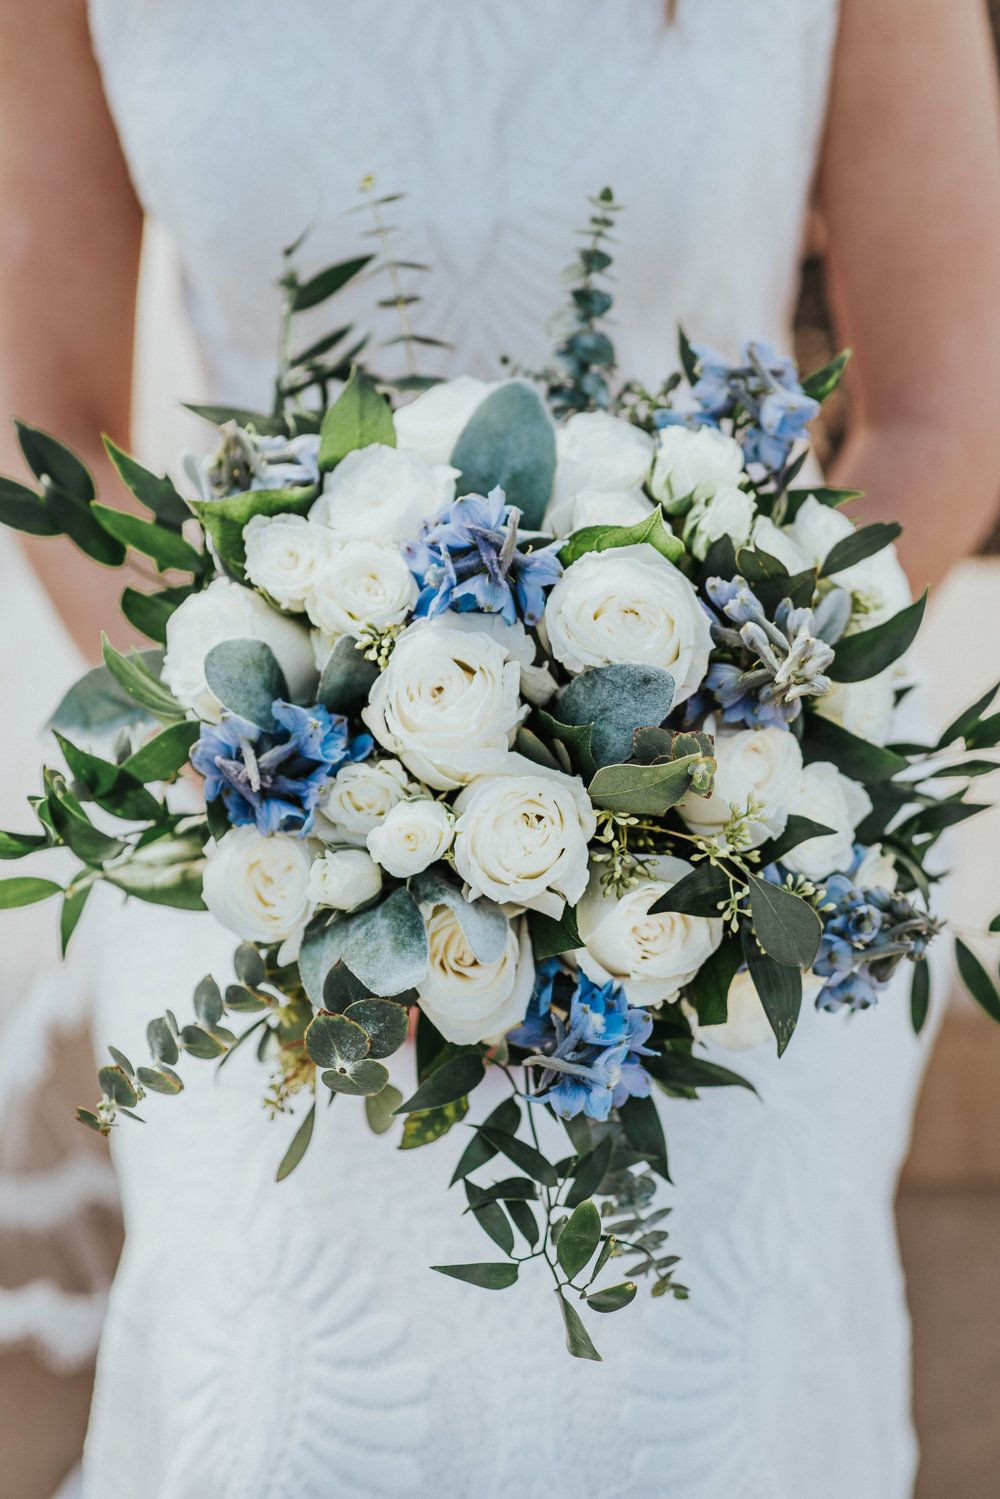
245	676
484	925
617	700
510	441
386	946
359	417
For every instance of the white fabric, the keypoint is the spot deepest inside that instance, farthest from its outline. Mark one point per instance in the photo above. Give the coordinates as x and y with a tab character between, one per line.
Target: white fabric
274	1341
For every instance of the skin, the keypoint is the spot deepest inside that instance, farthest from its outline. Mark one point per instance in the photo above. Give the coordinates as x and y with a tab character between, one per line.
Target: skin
909	185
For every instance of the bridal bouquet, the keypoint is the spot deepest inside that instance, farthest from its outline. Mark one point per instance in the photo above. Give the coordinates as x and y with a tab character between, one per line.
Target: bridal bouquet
549	717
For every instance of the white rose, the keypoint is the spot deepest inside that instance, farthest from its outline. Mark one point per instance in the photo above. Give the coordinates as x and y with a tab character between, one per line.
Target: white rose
598	507
258	887
466	1000
729	512
381	494
877	870
599	453
746	1024
826	796
694	463
769	538
521	836
764	764
652	957
629	604
344	878
878	585
412	836
862	708
361	583
285	555
431	425
448	704
226	611
361	794
537	682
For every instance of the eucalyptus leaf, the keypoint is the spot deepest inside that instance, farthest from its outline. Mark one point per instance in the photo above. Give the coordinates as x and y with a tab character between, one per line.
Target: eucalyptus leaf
380	1108
334	1041
246	678
161	1042
346	679
385	1024
649	790
365	1079
509	441
160	1080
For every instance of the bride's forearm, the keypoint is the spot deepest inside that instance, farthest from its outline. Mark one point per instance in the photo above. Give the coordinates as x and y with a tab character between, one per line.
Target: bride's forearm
943	485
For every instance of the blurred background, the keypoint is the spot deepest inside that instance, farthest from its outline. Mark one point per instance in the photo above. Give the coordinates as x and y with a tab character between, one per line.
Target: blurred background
59	1230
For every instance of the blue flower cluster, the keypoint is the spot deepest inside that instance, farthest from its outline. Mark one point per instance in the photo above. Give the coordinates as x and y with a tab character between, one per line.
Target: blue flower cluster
784	660
592	1039
866	935
275	779
469	558
765	384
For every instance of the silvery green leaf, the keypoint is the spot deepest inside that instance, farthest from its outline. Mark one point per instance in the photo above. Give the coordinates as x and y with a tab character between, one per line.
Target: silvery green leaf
208	1005
299	1145
161	1042
484	925
97	705
647	790
160	1080
336	1042
117	1085
509	440
385	1024
364	1079
248	964
246	678
617	700
347	678
380	1108
386	946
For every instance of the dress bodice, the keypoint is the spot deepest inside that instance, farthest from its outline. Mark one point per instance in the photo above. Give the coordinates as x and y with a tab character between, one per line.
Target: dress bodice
496	118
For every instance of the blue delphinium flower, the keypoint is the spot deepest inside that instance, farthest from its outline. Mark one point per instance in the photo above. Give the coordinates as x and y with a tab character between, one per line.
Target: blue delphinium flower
765	384
866	935
274	779
592	1038
779	662
469	558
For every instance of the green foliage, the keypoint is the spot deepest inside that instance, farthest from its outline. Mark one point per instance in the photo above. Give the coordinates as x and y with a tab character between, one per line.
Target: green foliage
616	700
858	657
346	679
156	494
165	546
299	1145
452	1080
977	981
697	894
24	510
483	924
823	382
579	1239
225	519
787	927
358	418
133	675
920	995
578	1340
495	1276
164	755
779	988
26	890
680	1070
509	440
551	936
649	790
246	678
653	531
862	543
326	283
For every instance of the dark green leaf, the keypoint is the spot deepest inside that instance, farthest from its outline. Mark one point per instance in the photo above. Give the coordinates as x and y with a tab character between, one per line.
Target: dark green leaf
575	737
646	790
326	282
860	544
166	547
76	518
225	519
823	382
960	726
854	757
298	1147
336	1042
160	1080
385	1024
26	890
132	673
589	1172
255	421
920	995
73	827
679	1070
163	755
359	417
117	1085
644	1131
157	494
490	1276
977	980
787	926
24	510
708	991
454	1079
19	845
868	653
491	1217
697	894
524	1221
69	915
49	458
380	1109
614	1298
779	988
577	1337
524	1156
199	1043
797	830
550	937
505	1118
149	612
579	1239
246	678
509	440
347	678
428	1125
111	786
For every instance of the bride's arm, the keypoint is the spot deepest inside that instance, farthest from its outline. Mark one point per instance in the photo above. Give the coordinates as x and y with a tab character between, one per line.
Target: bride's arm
910	187
70	229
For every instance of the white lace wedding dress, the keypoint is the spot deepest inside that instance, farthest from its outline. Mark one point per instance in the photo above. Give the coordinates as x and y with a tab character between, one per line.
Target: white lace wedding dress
289	1342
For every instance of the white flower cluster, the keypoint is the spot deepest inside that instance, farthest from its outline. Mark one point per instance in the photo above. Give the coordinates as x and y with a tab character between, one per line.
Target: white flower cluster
446	785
